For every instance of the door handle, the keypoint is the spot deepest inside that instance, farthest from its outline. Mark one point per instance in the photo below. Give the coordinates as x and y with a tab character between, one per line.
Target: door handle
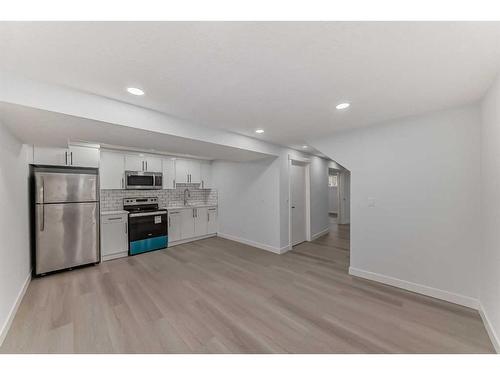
42	223
293	206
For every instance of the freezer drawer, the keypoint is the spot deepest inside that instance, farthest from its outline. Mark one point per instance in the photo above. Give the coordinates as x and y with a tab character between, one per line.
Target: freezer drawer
67	235
65	187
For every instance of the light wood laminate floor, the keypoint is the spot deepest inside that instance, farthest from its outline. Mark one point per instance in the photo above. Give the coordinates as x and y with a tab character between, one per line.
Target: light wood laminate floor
219	296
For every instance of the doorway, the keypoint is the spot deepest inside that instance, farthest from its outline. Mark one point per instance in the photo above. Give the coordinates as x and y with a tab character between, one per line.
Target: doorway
299	203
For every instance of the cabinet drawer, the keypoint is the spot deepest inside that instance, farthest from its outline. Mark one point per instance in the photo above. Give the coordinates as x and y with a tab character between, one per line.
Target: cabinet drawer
114	219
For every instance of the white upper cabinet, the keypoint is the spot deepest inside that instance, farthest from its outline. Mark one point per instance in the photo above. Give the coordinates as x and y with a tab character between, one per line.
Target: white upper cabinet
50	156
181	171
194	172
206	175
134	163
139	162
153	164
168	173
76	156
112	168
80	156
187	171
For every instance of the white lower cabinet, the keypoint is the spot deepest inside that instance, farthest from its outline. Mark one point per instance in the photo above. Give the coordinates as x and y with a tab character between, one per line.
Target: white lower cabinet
187	223
191	223
212	220
174	226
200	221
114	236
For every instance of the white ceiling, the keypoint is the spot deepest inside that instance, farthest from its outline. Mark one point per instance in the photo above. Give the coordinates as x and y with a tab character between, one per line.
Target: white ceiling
284	77
35	126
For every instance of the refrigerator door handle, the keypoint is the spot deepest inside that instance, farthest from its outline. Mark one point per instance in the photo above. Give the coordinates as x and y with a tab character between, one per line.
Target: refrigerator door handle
42	219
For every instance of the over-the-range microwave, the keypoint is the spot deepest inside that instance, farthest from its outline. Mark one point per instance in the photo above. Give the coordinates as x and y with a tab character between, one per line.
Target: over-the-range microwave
136	180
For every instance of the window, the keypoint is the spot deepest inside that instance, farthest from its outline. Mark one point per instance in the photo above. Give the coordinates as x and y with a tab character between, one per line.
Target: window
333	180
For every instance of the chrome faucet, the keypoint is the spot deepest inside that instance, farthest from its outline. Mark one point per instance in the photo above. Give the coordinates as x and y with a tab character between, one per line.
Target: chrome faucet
186	197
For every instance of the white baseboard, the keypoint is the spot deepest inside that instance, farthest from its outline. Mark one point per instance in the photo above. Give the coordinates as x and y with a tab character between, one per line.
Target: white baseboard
495	340
262	246
13	310
319	234
105	258
417	288
180	242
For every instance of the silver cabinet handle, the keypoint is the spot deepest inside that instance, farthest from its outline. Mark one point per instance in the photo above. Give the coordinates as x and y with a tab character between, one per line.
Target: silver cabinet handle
169	221
71	156
126	228
202	184
146	164
193	212
66	157
114	218
208	216
123	183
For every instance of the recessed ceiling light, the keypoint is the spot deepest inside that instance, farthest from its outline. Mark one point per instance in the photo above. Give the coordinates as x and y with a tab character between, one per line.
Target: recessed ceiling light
343	105
259	131
304	146
135	91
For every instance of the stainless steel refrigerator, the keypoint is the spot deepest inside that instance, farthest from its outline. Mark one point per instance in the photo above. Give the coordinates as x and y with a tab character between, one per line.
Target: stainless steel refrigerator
66	218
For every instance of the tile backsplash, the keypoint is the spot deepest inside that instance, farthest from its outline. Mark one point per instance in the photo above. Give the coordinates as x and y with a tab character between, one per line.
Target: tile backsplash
113	199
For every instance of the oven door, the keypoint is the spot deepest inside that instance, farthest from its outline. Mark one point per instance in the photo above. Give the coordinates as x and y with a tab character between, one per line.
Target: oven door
147	232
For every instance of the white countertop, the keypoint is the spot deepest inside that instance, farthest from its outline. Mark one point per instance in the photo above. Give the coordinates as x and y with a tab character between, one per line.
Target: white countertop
116	212
188	206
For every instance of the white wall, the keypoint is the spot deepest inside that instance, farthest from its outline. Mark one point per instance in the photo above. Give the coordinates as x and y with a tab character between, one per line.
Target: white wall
14	225
422	174
248	195
489	283
253	199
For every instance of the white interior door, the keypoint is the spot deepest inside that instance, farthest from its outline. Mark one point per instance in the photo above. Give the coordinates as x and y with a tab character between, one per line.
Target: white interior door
344	198
298	203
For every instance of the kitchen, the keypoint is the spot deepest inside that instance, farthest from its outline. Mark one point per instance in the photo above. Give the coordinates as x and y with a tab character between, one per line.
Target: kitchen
146	202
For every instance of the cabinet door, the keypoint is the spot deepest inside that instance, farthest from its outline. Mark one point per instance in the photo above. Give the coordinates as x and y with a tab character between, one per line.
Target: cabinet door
200	221
181	171
212	220
81	156
194	172
206	175
114	237
187	229
50	156
134	163
168	166
174	226
153	164
111	171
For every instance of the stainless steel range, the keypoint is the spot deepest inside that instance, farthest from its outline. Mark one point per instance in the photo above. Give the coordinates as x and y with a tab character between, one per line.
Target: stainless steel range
147	225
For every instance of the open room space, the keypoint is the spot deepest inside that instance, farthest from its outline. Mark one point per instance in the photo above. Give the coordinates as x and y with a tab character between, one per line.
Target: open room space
249	187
